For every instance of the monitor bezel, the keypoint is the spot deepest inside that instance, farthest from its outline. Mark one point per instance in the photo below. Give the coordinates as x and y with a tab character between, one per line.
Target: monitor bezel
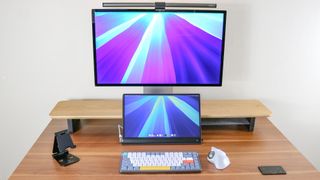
170	140
224	12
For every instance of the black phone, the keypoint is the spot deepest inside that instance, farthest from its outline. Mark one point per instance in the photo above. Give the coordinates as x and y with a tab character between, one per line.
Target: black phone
272	170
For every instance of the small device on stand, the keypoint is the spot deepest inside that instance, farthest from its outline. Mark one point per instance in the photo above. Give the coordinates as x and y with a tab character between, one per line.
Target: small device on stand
62	141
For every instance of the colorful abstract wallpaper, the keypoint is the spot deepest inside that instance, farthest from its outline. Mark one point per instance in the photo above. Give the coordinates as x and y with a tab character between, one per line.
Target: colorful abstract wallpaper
158	116
158	47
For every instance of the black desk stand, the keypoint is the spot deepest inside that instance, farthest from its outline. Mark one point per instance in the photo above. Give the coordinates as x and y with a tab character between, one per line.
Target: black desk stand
62	141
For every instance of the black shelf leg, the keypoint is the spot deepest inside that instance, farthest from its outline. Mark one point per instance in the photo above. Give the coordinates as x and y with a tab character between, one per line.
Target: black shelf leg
73	125
251	121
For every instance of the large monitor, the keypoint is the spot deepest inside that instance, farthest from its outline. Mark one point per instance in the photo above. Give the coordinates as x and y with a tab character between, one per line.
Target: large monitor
152	48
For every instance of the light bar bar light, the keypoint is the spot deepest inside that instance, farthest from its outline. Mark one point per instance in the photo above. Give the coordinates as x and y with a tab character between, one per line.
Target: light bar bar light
160	5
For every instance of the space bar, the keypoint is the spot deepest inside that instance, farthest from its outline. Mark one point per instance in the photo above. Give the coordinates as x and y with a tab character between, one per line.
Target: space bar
154	168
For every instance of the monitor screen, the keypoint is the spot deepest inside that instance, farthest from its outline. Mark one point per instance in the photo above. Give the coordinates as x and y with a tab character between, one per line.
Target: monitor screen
146	47
161	116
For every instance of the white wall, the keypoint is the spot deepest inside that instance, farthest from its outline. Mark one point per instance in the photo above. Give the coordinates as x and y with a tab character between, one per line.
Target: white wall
272	54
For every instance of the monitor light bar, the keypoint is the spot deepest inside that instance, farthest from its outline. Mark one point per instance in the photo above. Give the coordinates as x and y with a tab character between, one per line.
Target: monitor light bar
161	5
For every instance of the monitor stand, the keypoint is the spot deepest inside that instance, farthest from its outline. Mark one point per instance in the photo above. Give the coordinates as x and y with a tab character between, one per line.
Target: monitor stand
157	90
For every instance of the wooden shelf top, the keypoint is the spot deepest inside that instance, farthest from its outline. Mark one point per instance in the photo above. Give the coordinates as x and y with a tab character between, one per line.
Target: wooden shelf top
106	109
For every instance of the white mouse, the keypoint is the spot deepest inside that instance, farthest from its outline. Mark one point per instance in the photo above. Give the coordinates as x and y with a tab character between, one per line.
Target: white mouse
218	158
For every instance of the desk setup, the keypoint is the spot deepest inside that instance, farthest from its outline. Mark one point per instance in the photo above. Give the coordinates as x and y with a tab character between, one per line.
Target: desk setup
164	135
99	149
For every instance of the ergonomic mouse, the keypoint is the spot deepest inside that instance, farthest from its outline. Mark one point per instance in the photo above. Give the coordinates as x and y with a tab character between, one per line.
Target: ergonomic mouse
218	158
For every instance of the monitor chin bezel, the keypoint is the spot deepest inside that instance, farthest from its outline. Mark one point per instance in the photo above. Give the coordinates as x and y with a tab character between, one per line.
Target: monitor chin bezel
161	141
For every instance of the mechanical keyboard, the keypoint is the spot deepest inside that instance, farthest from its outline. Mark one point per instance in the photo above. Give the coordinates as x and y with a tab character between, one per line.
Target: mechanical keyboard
157	162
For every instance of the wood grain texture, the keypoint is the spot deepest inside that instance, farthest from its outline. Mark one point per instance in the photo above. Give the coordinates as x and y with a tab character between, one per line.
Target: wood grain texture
108	109
99	151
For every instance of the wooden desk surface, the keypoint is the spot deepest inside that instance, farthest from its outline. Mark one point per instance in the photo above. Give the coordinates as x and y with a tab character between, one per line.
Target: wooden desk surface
99	151
107	109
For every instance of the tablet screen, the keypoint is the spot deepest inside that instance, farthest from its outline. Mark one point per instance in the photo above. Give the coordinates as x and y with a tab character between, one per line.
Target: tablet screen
161	116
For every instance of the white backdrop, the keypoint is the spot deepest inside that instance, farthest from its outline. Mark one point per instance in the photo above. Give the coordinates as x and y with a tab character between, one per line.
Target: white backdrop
272	54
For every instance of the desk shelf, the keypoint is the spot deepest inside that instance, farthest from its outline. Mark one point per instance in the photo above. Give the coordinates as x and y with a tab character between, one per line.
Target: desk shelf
213	112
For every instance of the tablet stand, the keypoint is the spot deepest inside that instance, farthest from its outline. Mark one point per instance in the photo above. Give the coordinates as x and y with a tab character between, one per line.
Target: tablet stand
62	141
120	129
